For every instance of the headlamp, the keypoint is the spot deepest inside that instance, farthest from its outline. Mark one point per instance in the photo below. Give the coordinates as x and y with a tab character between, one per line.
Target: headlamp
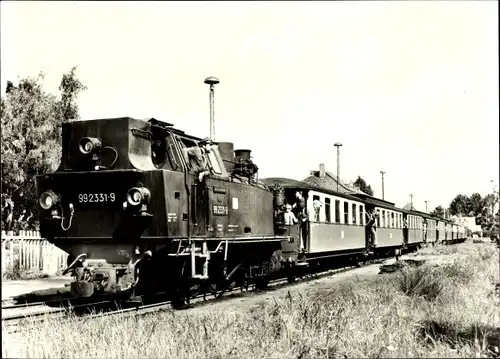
48	199
89	145
138	195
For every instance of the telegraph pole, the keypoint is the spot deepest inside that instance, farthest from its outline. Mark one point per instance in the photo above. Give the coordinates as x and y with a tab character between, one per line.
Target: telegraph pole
338	144
411	202
212	81
425	206
382	173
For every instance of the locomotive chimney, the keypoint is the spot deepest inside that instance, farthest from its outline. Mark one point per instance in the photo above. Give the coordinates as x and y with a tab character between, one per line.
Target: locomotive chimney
212	81
242	154
321	170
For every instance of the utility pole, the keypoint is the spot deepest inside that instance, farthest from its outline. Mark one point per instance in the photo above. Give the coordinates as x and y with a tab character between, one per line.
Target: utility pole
212	81
425	206
382	173
493	201
338	144
411	202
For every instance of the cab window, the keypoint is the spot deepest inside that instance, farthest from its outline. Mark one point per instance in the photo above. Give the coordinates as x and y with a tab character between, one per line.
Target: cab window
214	163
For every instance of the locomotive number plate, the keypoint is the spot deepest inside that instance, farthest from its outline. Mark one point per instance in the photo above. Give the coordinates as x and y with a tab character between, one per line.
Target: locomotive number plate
219	210
96	197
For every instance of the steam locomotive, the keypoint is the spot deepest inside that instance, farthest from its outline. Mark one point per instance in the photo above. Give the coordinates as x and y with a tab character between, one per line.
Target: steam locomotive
128	207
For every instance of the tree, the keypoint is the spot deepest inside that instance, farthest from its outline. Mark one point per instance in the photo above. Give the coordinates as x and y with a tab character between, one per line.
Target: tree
363	186
70	87
460	205
31	125
438	212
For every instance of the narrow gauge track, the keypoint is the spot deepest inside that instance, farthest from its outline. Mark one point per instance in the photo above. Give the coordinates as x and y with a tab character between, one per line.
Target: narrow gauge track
40	311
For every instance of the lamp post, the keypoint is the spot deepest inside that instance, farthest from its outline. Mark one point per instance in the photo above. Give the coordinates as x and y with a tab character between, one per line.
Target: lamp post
212	81
382	173
338	144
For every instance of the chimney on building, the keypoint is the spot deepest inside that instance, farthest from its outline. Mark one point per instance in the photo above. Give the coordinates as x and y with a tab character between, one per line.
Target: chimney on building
321	170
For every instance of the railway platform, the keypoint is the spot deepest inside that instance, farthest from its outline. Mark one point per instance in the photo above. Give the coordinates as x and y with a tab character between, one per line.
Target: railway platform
12	288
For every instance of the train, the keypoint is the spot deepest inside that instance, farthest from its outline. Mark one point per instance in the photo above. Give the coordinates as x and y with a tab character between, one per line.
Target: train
128	204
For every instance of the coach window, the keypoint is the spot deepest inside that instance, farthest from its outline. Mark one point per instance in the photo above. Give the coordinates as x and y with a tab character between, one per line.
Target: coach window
392	220
378	217
337	211
353	214
383	218
327	210
361	215
314	213
346	212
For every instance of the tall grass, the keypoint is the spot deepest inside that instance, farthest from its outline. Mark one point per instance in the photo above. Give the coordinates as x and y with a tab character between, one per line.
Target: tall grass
448	310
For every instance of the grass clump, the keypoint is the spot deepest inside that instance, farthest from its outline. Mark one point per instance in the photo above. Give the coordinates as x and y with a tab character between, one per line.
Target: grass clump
424	282
429	311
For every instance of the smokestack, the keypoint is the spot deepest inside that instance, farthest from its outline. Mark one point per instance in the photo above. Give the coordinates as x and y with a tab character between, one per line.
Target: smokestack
321	170
212	81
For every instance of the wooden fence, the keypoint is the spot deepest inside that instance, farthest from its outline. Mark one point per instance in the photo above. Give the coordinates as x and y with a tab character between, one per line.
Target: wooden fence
28	252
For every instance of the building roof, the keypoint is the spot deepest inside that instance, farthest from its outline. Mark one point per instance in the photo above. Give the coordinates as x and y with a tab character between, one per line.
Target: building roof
329	181
410	207
291	183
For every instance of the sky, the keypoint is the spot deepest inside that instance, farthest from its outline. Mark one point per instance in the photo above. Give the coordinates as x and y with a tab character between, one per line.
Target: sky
410	88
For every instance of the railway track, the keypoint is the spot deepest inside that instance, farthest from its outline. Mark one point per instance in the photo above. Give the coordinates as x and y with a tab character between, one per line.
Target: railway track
14	315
